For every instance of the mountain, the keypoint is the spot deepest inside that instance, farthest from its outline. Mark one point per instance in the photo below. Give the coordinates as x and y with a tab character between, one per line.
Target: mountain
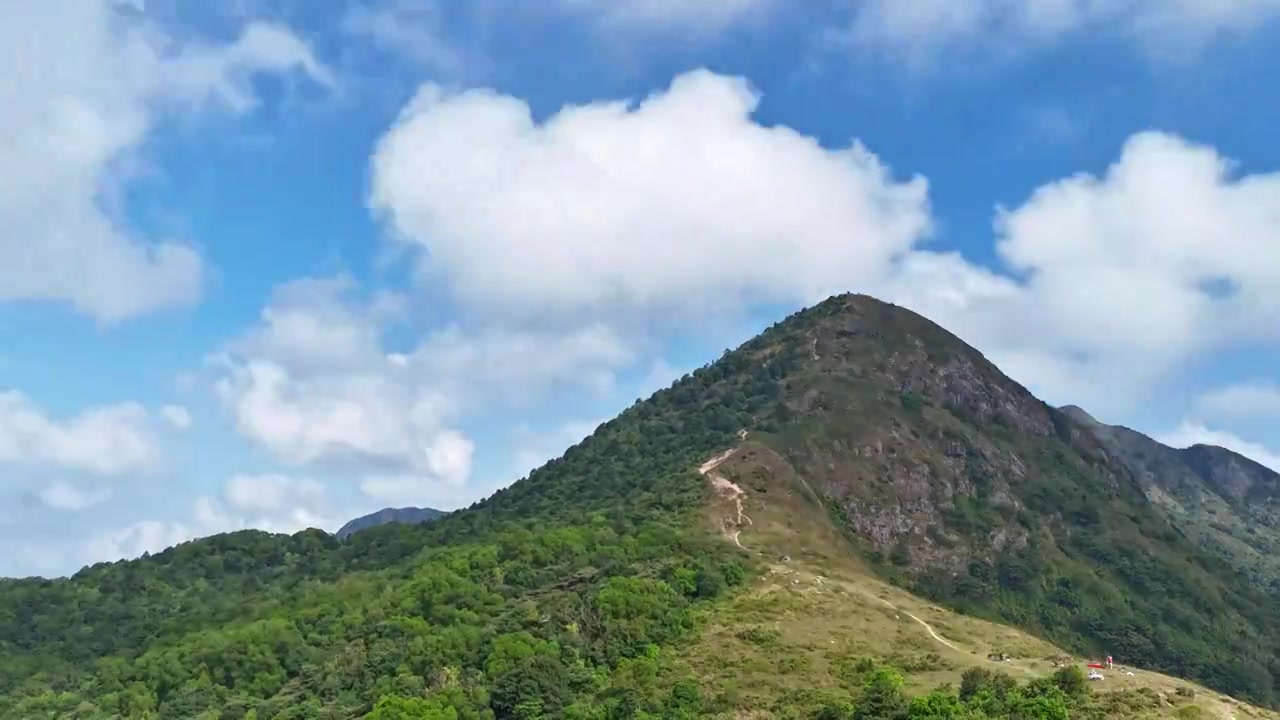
411	515
819	615
852	506
1227	503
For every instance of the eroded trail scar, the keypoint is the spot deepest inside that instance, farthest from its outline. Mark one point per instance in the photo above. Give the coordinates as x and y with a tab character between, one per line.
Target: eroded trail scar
715	462
725	487
926	625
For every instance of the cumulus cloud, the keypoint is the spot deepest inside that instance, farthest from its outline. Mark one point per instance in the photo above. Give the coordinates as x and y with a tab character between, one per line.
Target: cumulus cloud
317	385
110	440
649	213
147	536
313	383
92	83
1193	433
270	502
612	220
932	26
680	203
1117	282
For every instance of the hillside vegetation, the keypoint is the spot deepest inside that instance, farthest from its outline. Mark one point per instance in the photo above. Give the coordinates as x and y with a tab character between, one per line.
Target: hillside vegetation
818	621
604	585
1225	503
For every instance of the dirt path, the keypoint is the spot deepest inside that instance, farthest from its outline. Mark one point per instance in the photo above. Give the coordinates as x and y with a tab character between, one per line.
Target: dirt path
926	625
726	487
715	462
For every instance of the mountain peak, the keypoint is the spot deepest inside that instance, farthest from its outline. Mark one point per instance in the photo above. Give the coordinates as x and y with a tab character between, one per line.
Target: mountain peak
851	444
411	515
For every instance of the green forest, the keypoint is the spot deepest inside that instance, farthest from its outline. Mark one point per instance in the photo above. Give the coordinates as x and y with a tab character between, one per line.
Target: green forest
556	597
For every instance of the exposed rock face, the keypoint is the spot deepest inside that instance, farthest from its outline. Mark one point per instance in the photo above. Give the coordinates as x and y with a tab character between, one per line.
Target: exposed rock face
899	399
1232	475
928	450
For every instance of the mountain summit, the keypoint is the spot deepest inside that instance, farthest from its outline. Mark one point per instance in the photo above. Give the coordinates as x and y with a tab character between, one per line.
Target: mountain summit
852	445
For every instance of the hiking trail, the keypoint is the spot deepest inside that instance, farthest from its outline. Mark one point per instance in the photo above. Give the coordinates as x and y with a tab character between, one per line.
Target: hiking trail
926	625
727	487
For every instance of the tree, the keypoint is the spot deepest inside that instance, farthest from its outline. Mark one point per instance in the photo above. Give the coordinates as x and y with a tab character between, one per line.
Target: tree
882	697
536	686
1071	681
937	705
973	681
394	707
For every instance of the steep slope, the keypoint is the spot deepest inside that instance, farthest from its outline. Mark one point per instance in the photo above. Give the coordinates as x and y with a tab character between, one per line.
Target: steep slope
958	483
807	632
411	515
567	592
1227	503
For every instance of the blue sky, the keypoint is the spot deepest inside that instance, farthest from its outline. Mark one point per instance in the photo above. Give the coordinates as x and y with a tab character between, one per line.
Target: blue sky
274	264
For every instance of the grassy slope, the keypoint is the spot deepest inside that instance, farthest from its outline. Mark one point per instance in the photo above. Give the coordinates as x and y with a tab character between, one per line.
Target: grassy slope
818	610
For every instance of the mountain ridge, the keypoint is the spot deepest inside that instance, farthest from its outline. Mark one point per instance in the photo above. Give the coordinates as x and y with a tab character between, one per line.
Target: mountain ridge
934	471
1229	501
411	515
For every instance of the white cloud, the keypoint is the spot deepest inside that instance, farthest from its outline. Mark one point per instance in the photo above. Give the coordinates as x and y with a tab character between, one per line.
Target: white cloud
1122	279
1247	400
924	27
316	385
313	384
271	503
111	440
89	87
1193	433
654	209
61	495
147	536
568	228
365	417
177	416
638	217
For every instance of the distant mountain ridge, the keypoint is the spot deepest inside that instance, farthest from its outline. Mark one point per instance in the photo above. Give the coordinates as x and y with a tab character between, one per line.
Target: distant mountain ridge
1225	502
408	515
